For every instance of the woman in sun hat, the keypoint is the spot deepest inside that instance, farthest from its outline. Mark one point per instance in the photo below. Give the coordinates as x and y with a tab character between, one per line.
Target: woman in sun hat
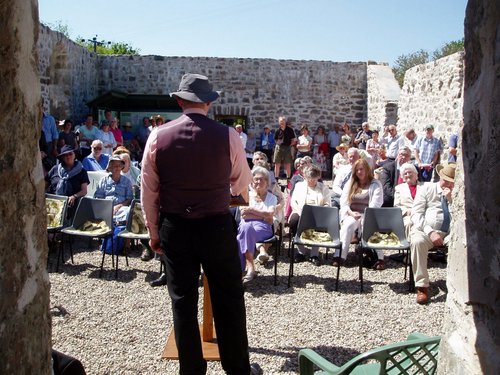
340	158
68	178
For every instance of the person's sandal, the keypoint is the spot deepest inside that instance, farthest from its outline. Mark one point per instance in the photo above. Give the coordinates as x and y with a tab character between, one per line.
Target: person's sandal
249	277
379	265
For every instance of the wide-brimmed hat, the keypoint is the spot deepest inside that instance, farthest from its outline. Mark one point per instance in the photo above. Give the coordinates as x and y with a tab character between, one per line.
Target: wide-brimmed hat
66	149
342	146
114	158
196	88
446	172
158	117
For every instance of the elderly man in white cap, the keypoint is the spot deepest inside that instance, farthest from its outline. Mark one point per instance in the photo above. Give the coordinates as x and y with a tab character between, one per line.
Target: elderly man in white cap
188	219
431	224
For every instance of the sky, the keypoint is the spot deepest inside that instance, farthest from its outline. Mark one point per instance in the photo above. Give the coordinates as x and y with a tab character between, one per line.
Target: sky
333	30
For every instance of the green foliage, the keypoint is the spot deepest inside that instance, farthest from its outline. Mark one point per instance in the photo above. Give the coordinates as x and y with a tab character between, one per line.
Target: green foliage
61	27
107	48
102	47
405	62
448	49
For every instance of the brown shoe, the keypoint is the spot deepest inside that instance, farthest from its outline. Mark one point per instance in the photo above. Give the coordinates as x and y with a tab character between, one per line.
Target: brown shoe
338	261
379	265
422	295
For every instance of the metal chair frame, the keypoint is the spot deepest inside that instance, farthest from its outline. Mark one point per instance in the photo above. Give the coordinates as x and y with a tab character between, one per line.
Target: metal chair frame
384	220
94	209
321	218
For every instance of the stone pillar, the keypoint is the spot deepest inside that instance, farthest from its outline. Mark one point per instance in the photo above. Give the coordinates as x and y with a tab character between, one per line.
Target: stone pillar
24	284
471	344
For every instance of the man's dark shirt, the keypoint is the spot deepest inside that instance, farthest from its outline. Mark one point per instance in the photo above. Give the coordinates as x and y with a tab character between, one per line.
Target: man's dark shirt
286	135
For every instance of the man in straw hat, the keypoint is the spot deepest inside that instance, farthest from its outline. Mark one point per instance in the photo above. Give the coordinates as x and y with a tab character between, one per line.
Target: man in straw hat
188	219
431	224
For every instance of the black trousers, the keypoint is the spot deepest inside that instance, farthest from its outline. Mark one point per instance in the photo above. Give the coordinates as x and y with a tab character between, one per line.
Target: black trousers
211	243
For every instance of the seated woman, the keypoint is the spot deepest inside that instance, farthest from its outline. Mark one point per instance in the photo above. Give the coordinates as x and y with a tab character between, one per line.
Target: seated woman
340	158
313	193
405	193
131	172
362	191
116	187
68	178
256	221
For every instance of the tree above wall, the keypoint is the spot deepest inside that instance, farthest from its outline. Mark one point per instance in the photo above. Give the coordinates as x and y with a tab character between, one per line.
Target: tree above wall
100	47
405	62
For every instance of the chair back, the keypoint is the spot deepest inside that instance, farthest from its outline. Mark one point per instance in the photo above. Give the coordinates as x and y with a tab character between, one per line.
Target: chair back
59	200
94	178
320	218
136	204
417	355
384	220
93	209
414	356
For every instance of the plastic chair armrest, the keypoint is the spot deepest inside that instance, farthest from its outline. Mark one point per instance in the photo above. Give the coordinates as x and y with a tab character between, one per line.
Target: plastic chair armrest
308	358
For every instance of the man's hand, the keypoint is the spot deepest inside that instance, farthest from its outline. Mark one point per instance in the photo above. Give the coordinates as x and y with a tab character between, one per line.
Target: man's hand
436	239
447	193
155	246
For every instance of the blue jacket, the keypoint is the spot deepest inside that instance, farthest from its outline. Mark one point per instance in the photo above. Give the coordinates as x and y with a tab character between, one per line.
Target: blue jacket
271	141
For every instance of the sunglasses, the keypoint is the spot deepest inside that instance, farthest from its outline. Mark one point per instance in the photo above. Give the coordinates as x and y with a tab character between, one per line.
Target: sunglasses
97	148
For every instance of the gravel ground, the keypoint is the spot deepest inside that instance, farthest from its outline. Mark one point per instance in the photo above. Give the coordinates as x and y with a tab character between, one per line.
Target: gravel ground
121	326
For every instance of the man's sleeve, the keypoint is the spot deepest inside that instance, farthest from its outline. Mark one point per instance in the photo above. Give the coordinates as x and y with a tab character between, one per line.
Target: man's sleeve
150	187
241	176
387	180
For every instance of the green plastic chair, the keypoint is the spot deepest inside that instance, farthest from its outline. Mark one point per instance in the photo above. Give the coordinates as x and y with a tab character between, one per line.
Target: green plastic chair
416	355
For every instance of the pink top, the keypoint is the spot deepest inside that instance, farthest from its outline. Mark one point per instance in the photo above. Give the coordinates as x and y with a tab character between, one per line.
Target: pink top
117	133
239	180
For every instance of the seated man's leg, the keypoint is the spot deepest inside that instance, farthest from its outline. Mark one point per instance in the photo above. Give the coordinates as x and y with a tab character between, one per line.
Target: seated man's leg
420	246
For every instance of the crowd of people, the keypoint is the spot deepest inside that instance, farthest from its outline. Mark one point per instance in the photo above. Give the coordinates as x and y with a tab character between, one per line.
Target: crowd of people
367	168
69	153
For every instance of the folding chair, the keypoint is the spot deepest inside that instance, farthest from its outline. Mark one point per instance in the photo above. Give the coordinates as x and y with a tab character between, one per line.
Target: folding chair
321	219
55	220
275	241
384	220
94	178
130	232
93	209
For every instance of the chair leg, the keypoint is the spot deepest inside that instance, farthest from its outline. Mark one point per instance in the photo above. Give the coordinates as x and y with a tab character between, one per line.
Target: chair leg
290	271
60	252
126	255
360	259
412	280
338	275
115	251
276	254
71	251
103	244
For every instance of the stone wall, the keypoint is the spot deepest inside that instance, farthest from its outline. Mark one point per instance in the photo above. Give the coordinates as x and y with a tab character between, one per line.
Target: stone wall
471	343
307	92
24	282
433	94
383	96
68	75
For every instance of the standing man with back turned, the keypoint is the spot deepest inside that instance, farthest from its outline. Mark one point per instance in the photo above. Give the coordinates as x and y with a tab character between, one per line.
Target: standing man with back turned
187	215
